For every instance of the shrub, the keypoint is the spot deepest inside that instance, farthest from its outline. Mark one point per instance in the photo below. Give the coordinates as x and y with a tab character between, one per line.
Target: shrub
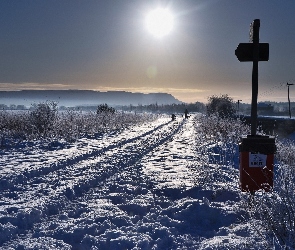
13	125
272	214
43	117
105	109
44	122
222	106
218	147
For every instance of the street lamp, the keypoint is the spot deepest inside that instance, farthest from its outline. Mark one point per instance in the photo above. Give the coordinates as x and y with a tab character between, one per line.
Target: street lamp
289	84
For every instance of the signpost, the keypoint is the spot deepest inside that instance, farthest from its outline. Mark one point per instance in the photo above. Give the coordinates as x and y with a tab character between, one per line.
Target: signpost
256	151
253	52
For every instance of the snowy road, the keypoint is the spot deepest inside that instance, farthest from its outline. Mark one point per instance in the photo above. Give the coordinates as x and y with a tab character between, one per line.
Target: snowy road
127	190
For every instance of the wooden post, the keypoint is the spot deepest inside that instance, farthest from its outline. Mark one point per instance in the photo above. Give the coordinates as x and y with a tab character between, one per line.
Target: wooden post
255	34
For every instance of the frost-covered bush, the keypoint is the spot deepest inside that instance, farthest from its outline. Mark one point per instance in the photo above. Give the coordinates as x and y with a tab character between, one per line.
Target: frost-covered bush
213	126
218	146
105	109
45	122
270	214
43	117
223	135
74	124
285	152
273	213
14	125
222	105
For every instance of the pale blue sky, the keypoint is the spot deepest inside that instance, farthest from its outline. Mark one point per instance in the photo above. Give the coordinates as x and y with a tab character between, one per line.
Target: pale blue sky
104	45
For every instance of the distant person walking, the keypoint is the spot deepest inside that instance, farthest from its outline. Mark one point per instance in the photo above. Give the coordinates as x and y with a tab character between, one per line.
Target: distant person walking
186	114
173	117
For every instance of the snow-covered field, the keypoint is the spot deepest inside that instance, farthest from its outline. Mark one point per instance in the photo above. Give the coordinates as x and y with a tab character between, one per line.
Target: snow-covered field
146	187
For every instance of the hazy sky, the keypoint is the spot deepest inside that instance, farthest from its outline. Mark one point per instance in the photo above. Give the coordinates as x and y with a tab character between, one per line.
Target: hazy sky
105	45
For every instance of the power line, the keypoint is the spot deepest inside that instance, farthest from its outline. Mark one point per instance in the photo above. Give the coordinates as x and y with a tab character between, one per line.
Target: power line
279	86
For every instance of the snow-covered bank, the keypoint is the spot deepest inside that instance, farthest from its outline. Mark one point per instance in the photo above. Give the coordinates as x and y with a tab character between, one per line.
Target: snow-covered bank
159	185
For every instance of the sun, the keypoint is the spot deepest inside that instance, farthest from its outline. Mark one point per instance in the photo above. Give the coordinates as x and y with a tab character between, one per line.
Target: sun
159	22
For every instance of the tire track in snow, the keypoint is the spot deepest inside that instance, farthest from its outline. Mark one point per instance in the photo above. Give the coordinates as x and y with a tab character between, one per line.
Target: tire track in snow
130	204
169	166
46	195
39	168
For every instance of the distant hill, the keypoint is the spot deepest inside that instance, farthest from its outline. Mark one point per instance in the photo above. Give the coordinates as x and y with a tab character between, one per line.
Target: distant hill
84	97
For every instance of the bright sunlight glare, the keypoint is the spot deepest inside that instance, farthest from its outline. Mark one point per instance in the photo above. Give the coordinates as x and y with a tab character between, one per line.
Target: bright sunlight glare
159	22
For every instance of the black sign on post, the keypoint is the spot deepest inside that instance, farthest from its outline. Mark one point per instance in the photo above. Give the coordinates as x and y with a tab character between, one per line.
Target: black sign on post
243	55
253	52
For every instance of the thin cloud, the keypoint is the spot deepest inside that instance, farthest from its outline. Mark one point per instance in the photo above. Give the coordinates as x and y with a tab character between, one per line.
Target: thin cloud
152	90
33	86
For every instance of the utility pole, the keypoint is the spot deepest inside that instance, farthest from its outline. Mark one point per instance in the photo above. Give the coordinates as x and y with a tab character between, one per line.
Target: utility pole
289	84
239	108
